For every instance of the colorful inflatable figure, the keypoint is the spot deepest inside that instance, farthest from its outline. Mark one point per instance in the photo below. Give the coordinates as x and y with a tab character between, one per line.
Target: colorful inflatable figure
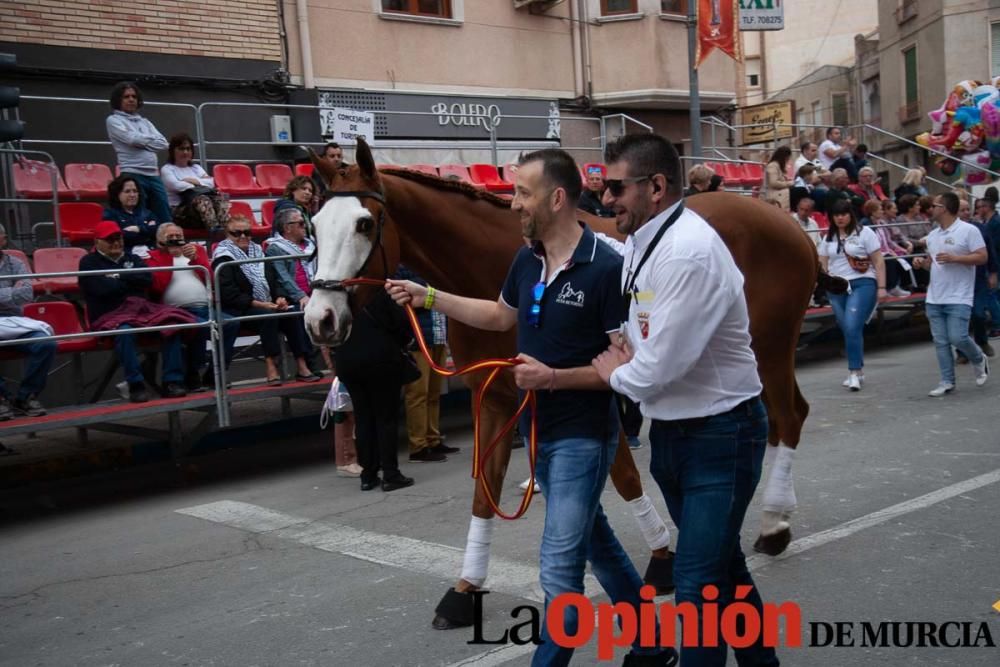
967	128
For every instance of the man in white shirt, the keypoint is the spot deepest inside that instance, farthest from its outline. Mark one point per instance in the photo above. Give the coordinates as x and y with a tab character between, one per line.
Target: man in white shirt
833	154
954	250
809	155
698	385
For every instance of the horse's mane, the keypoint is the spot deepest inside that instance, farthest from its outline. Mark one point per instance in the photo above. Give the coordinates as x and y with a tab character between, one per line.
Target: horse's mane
439	183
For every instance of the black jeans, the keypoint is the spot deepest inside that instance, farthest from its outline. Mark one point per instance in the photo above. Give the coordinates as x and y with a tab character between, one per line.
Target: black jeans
268	329
376	400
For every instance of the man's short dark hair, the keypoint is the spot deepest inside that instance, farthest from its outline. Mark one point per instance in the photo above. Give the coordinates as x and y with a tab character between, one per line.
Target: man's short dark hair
118	92
861	148
804	146
950	201
332	144
559	169
830	130
906	203
992	194
645	155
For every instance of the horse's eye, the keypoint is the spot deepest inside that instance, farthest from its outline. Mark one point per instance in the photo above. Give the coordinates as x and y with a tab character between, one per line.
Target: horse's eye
365	225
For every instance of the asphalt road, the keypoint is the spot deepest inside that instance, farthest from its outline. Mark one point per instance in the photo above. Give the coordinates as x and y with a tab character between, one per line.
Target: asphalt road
897	521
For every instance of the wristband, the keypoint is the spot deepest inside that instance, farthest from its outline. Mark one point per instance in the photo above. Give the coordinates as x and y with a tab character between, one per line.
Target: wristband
429	299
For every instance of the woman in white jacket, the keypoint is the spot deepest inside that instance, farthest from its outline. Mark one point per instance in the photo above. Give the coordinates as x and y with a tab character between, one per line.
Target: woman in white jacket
195	202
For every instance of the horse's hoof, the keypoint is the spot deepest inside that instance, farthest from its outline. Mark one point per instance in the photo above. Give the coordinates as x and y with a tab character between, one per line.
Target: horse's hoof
775	544
453	611
660	574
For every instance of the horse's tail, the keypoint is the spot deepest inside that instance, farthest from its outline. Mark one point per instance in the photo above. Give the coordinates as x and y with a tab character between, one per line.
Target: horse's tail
831	284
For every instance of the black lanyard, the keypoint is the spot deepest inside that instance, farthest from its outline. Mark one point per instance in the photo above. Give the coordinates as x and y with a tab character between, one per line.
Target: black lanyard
633	275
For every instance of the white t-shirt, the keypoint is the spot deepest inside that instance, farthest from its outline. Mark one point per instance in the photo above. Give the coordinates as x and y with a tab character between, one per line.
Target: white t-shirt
857	244
185	289
953	283
802	161
827	162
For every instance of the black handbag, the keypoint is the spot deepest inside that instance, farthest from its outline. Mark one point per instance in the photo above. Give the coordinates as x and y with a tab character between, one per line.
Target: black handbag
189	195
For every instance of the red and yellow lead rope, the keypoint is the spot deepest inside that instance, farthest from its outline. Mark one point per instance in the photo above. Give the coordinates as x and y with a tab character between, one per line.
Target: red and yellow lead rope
479	455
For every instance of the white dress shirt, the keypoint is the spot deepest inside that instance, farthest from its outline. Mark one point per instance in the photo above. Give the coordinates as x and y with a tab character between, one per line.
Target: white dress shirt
688	324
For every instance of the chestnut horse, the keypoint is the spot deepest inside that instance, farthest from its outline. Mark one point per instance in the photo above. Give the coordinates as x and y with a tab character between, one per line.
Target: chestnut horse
462	240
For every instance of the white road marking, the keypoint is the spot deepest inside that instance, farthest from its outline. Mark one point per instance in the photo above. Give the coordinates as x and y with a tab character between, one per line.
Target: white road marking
507	576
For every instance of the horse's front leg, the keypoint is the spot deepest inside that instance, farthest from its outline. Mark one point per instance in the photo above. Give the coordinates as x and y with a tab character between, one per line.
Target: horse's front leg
456	607
625	477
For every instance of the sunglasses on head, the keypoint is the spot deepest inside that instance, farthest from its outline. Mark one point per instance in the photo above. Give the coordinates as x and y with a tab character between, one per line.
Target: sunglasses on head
616	186
236	233
535	312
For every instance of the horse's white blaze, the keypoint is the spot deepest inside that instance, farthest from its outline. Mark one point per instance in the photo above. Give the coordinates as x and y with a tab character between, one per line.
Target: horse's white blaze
341	252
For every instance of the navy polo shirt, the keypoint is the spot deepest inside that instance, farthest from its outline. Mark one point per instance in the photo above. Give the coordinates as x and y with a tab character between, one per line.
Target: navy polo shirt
580	307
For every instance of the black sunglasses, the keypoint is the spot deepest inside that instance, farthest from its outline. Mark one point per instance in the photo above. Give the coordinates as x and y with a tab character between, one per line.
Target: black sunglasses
616	186
240	232
535	312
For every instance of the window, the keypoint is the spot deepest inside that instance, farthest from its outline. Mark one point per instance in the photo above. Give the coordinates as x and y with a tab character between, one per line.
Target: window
753	72
911	95
615	7
440	8
995	49
674	7
839	104
817	113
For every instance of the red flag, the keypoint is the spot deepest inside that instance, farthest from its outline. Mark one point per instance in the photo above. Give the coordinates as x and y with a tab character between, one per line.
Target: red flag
717	29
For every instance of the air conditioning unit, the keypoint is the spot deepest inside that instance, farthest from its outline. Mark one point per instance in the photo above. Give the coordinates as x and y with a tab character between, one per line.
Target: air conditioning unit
536	5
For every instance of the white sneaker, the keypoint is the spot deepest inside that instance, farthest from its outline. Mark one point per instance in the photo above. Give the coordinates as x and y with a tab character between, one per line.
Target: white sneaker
524	486
898	291
847	380
350	470
122	388
982	371
941	389
854	382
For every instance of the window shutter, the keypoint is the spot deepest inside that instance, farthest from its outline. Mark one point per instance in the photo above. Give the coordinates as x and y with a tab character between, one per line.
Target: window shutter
994	49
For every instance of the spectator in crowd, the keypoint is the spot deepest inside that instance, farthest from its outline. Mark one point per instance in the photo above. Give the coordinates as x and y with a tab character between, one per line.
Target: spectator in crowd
912	184
836	155
249	289
776	183
991	220
983	301
853	252
422	397
191	191
860	158
13	325
372	364
954	249
867	187
807	183
118	301
839	192
803	216
590	198
913	225
189	291
895	268
890	217
137	223
294	276
992	195
699	179
298	194
716	184
926	206
136	141
335	154
809	155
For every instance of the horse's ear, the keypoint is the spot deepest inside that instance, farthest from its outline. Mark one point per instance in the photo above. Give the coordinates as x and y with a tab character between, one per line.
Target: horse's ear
363	156
325	169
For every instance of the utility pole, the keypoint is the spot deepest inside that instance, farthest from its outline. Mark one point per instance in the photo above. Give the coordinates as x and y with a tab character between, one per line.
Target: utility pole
695	101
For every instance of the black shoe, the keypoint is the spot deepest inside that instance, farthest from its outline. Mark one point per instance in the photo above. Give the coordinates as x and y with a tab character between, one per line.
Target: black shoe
6	411
194	384
137	392
174	390
666	658
399	481
369	484
445	449
428	455
30	407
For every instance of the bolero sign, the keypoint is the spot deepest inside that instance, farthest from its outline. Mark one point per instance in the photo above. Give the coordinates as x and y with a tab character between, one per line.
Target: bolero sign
766	122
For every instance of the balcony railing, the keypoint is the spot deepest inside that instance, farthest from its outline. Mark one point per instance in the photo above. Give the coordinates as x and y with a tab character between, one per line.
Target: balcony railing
909	112
906	10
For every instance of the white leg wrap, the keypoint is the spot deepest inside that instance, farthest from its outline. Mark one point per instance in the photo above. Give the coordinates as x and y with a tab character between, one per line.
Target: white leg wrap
650	524
779	494
477	551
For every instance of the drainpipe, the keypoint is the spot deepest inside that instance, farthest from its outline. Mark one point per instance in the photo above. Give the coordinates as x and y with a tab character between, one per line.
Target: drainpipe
305	47
588	82
577	50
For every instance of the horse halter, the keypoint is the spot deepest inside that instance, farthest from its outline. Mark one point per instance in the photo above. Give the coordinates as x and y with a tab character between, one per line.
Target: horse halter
342	285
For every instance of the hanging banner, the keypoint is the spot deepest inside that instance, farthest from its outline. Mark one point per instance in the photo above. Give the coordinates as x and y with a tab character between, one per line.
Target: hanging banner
718	29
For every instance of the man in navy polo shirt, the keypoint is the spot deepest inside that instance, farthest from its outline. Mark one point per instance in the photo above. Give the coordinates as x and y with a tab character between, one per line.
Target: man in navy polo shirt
563	295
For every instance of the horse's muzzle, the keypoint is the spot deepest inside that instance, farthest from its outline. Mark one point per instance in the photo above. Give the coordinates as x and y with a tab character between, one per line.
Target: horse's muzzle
328	318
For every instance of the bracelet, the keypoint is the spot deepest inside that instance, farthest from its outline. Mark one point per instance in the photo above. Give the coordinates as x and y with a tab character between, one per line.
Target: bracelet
429	299
552	382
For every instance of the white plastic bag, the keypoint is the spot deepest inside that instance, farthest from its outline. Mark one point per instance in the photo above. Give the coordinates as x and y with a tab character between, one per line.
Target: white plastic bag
338	400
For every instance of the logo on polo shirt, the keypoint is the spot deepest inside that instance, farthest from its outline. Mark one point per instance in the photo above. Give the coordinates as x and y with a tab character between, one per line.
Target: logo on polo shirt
570	297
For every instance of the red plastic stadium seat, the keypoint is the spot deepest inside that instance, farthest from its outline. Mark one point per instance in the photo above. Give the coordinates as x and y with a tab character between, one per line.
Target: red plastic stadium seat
89	180
55	260
732	174
243	208
821	221
33	179
78	219
753	174
274	177
459	170
61	315
423	168
305	169
237	179
487	176
267	212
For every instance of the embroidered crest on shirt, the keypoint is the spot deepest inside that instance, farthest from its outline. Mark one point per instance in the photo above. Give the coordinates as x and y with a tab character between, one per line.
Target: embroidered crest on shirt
570	297
643	318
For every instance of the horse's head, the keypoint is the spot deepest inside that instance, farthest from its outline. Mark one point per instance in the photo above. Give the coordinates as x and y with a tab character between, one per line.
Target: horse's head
351	242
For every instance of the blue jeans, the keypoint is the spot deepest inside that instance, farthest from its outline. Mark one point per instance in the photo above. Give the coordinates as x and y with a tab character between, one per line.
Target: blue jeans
708	469
852	312
36	366
572	473
984	301
154	196
196	348
950	327
173	365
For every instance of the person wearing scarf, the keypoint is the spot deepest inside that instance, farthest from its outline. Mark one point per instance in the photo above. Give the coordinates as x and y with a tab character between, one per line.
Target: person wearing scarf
251	289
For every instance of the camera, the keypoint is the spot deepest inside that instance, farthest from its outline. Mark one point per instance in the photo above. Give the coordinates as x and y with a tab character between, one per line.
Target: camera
175	242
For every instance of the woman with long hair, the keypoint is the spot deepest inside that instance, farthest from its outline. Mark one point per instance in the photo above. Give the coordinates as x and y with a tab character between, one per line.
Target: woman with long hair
138	223
853	252
776	182
299	193
191	191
